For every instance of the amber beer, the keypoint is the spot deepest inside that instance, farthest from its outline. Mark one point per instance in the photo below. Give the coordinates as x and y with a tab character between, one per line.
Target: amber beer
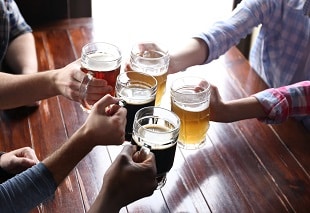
99	60
152	59
138	90
108	72
156	129
190	101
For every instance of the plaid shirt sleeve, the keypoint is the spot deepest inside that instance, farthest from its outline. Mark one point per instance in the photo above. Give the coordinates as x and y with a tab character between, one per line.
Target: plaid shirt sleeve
283	102
12	24
18	24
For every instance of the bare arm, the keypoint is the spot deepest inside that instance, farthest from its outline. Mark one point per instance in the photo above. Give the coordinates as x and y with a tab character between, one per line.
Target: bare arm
19	90
272	105
194	52
91	134
21	54
240	109
235	110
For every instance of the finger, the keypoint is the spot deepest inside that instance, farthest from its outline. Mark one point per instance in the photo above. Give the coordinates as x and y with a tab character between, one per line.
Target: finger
112	109
203	84
26	152
79	76
104	102
129	150
22	164
32	156
141	155
26	162
127	67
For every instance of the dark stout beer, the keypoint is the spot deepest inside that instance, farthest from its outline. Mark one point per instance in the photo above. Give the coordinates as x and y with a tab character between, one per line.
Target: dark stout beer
161	145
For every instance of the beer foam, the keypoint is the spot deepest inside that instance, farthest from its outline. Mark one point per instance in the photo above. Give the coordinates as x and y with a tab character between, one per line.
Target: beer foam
101	61
156	136
193	107
135	95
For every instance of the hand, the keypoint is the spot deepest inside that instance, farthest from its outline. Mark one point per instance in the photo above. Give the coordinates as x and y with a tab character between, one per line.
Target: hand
18	160
68	81
143	48
234	110
217	106
126	180
106	123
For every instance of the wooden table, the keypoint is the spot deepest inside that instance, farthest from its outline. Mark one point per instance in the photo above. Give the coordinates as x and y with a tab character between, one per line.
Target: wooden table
245	166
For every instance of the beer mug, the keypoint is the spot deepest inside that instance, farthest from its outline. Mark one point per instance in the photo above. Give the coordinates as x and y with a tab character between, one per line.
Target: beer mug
190	100
156	129
99	60
153	59
137	90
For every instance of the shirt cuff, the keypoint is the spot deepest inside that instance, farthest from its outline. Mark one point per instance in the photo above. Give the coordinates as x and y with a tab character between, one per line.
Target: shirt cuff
275	106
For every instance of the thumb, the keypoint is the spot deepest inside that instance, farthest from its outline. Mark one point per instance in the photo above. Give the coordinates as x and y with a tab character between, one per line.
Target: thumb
101	105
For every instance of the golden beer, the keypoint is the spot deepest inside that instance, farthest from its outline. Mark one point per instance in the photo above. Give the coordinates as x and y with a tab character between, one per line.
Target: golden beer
194	124
190	100
152	59
161	86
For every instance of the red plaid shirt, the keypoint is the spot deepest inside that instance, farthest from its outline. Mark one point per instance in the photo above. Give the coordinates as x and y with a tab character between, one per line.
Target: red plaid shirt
283	102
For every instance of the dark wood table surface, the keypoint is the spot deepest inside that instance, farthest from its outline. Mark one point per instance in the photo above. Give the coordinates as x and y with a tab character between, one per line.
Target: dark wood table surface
245	166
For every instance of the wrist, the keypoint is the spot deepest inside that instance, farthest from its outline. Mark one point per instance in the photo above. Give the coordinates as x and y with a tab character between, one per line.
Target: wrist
4	175
106	200
55	82
83	137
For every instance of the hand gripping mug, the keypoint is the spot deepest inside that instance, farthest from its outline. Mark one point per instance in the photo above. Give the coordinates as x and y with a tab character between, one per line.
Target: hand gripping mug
137	90
157	129
153	59
99	60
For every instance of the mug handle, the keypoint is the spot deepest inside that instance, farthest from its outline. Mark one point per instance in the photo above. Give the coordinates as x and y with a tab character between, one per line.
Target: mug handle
145	149
83	90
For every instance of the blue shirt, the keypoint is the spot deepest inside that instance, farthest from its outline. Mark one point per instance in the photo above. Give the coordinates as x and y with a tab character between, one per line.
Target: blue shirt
280	54
27	189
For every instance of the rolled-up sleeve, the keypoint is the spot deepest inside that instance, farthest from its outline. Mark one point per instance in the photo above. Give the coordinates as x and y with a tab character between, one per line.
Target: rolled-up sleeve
288	101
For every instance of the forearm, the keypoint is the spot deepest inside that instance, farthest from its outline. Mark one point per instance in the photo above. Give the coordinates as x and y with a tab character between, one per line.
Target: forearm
62	161
21	90
241	109
194	52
